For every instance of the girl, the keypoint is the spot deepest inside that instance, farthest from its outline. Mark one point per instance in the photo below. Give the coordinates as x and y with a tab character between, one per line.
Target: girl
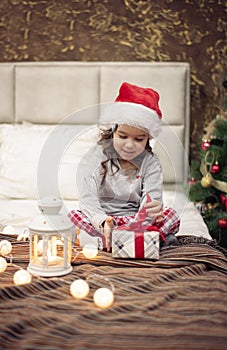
114	179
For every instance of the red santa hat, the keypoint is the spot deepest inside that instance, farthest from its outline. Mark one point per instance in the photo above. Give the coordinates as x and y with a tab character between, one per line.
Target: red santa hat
136	106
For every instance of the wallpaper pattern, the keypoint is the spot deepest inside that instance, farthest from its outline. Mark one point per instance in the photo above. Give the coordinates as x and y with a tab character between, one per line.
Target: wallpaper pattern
125	30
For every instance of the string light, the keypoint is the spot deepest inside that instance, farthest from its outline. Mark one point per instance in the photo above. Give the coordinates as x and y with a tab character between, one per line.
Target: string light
103	298
90	251
79	289
22	277
5	247
9	230
3	264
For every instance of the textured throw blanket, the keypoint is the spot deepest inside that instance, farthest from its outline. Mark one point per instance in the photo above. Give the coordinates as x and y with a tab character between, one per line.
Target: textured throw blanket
177	302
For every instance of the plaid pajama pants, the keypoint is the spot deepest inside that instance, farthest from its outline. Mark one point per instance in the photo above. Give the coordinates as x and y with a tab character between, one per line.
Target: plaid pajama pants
169	225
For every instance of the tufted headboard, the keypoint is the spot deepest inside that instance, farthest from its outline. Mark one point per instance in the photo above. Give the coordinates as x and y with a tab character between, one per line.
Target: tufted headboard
47	92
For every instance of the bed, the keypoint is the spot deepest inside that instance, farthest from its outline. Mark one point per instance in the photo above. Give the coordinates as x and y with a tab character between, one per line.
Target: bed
48	115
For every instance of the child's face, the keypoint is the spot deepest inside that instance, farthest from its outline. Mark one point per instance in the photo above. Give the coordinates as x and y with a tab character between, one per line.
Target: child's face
129	141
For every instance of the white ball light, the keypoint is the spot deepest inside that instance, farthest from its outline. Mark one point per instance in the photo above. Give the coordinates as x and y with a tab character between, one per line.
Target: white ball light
5	247
22	277
3	264
90	251
9	230
79	289
103	298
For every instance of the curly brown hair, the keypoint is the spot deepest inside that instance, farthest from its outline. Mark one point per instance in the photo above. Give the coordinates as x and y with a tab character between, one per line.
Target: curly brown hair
106	137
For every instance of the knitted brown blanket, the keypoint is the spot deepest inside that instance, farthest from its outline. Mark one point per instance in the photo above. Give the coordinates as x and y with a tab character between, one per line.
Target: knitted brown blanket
177	302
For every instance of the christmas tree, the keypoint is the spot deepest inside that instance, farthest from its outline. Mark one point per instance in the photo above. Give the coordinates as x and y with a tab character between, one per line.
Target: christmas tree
208	184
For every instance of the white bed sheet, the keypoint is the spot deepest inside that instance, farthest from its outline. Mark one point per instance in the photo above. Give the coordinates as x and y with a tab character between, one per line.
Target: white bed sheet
18	213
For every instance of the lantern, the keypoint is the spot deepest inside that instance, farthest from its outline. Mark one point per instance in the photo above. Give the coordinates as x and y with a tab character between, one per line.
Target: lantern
50	236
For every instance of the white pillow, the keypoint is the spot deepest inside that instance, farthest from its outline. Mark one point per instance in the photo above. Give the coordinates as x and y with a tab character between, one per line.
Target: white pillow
22	148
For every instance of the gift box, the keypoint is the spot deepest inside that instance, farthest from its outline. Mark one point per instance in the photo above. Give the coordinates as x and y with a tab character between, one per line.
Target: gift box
138	239
135	244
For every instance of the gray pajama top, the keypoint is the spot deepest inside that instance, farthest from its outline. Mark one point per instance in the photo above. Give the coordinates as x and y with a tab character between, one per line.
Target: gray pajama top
122	193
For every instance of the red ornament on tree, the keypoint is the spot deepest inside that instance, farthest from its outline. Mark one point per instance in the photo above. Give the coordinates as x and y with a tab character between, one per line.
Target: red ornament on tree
224	200
192	181
205	145
215	169
222	223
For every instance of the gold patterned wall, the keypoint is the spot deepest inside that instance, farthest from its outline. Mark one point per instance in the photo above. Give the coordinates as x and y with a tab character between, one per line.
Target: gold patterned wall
125	30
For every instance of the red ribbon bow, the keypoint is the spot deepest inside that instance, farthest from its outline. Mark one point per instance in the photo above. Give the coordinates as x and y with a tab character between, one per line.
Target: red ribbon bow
138	226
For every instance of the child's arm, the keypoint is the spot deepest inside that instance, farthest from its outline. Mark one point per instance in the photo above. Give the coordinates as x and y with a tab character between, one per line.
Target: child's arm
107	230
152	189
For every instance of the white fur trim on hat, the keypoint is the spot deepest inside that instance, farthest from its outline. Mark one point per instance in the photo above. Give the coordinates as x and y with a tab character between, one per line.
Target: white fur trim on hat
132	114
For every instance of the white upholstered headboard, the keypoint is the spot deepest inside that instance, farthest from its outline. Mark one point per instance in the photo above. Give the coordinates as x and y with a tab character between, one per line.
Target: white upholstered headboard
47	92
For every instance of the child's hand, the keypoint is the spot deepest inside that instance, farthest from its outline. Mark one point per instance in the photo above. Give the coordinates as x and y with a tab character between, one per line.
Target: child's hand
154	210
108	228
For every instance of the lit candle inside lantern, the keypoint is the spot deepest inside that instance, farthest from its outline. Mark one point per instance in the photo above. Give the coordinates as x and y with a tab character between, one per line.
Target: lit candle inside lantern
103	298
22	277
52	258
40	246
3	264
90	251
79	289
5	247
